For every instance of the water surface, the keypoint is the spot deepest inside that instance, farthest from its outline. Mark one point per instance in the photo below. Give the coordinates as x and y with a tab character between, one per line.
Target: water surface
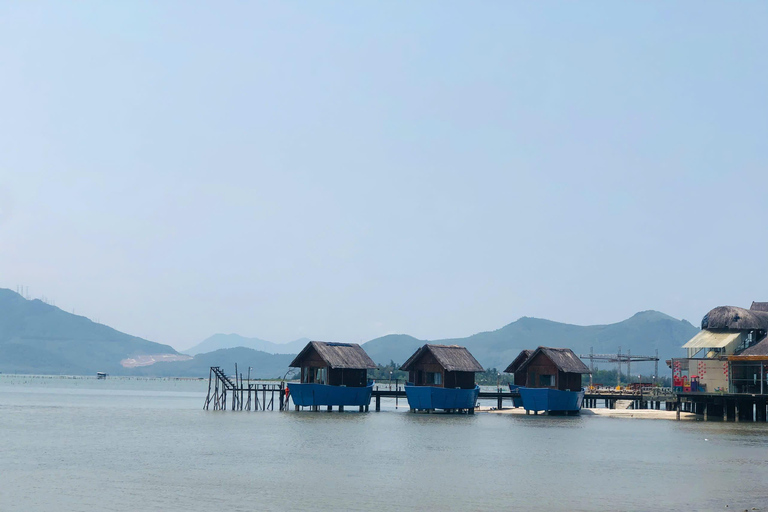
145	444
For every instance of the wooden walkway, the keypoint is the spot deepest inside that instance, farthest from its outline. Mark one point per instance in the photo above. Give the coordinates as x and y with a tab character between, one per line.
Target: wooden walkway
243	395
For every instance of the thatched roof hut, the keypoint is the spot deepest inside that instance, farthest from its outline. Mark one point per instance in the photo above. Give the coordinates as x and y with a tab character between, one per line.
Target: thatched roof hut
446	366
563	358
731	318
335	364
452	358
520	359
336	355
547	367
759	306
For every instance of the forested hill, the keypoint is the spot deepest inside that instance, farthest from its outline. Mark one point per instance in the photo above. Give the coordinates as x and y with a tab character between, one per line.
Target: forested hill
36	337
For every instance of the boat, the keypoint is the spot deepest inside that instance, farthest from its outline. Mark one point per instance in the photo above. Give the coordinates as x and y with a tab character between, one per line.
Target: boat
307	395
432	397
550	400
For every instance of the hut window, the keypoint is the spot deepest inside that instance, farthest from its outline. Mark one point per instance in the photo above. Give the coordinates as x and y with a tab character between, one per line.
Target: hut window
434	378
320	375
545	380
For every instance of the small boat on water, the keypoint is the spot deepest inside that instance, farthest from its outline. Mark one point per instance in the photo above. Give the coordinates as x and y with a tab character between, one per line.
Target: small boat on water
549	400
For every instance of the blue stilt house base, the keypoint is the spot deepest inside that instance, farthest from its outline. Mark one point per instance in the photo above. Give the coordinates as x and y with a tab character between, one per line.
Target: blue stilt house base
551	400
309	395
429	398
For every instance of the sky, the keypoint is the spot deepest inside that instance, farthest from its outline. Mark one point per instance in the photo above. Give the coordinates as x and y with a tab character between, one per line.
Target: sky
346	170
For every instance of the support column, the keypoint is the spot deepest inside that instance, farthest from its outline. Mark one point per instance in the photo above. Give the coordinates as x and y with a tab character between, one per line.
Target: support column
378	403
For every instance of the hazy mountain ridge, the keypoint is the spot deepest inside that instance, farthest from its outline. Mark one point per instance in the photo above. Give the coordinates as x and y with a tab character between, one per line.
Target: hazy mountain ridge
642	334
222	341
36	337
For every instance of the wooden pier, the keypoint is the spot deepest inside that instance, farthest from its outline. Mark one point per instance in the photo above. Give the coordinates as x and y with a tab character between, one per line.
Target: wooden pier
239	394
245	396
724	407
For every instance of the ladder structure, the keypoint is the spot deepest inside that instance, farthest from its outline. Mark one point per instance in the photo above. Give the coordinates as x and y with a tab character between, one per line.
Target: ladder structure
245	395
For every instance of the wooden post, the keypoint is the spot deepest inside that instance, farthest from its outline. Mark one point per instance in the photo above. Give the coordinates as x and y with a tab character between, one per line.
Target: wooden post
498	404
341	408
378	403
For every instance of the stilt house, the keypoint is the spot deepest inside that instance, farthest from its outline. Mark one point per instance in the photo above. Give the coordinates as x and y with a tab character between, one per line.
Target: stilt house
555	368
519	377
334	364
443	366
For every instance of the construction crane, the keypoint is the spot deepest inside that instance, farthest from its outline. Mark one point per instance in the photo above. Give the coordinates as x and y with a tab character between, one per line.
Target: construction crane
620	359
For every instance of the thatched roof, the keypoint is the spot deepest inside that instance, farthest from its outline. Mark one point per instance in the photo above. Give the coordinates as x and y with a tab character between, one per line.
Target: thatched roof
563	358
758	349
759	306
520	359
731	318
451	357
337	355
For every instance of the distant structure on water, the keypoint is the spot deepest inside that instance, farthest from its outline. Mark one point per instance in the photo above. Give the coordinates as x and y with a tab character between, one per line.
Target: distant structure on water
548	379
442	377
332	374
101	375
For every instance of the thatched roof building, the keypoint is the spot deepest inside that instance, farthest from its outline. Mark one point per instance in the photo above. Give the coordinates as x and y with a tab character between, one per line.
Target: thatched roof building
449	366
563	358
452	358
731	318
547	367
520	359
759	306
336	355
335	364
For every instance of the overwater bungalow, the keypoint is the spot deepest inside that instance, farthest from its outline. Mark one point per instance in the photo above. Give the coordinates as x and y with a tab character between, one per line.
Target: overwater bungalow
518	378
442	377
332	374
549	380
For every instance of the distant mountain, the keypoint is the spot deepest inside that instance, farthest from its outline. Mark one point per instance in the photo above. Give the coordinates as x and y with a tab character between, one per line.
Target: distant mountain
39	338
220	341
393	347
36	337
263	365
642	334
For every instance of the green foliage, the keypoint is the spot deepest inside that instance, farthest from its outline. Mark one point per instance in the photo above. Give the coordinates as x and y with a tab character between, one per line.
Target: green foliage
385	372
492	377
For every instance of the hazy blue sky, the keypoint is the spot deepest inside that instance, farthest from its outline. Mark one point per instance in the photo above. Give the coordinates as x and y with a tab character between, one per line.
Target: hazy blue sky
344	170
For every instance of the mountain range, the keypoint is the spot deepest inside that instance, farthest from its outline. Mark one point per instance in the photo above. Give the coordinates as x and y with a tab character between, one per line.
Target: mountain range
36	337
220	341
642	334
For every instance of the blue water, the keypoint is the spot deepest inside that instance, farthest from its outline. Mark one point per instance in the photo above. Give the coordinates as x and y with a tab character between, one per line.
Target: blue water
130	444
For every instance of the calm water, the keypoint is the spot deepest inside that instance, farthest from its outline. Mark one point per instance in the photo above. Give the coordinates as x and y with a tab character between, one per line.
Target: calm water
120	444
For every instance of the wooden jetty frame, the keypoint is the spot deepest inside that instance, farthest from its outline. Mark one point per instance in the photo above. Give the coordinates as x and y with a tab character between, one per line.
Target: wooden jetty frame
244	396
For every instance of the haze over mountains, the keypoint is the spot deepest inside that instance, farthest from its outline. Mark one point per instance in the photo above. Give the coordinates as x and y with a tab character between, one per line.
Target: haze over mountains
220	341
39	338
